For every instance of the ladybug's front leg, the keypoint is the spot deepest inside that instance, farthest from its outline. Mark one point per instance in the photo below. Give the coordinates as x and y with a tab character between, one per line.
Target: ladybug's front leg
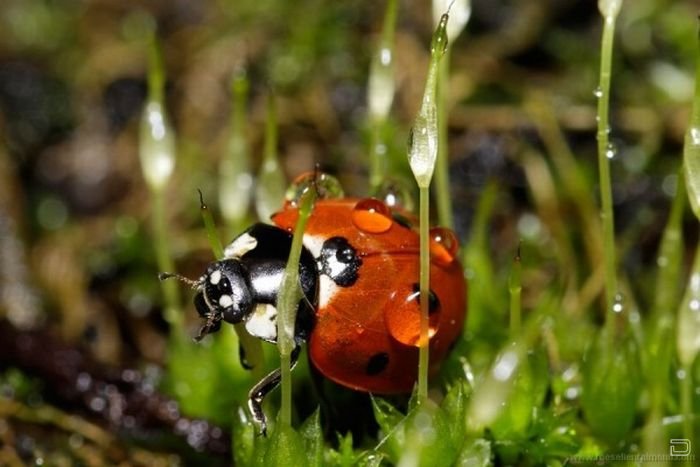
262	388
242	357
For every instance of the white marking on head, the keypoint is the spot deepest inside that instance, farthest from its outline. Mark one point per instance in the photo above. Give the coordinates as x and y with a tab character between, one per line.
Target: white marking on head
240	246
262	323
326	290
215	277
225	301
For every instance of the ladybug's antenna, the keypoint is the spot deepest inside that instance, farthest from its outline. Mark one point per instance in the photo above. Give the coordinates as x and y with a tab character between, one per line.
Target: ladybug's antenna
195	284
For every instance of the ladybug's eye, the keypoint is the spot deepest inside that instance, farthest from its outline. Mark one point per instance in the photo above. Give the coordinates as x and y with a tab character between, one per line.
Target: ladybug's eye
220	282
222	293
219	289
201	305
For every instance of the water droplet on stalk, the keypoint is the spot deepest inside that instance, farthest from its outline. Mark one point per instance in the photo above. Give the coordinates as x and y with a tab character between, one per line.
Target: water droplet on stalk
396	193
467	369
459	11
439	42
598	92
327	186
618	307
688	324
695	135
385	56
506	365
610	151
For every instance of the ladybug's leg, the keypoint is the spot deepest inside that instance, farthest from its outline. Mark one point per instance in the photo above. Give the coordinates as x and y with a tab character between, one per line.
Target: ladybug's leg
243	359
262	388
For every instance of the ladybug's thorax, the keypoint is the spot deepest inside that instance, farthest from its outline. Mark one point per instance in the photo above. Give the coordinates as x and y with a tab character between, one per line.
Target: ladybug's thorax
245	285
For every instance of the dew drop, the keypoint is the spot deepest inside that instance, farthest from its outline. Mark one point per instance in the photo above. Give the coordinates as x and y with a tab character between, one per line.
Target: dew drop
443	245
618	305
610	151
467	370
670	185
327	186
505	366
396	193
76	441
97	404
403	320
572	392
385	56
598	92
695	135
371	215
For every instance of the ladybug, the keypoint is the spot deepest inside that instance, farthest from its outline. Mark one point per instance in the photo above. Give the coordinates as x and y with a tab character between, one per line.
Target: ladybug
360	311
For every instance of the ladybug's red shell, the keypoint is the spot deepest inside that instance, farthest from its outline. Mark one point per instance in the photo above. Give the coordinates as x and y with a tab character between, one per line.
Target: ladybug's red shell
366	335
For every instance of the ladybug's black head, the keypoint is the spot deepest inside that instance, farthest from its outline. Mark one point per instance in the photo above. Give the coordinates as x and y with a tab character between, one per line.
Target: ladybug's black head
223	293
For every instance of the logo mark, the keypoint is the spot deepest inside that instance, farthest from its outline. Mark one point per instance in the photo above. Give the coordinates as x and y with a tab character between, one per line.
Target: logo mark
679	447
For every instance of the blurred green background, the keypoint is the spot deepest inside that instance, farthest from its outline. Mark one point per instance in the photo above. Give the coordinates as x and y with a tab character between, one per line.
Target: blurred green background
76	251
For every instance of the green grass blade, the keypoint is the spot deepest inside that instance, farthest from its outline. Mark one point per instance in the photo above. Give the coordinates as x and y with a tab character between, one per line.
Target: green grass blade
422	153
212	235
660	341
271	183
235	178
688	343
515	289
157	155
691	147
380	94
609	10
459	11
287	301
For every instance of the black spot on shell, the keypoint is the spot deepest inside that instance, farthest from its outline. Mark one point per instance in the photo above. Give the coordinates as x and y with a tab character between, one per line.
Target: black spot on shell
377	363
